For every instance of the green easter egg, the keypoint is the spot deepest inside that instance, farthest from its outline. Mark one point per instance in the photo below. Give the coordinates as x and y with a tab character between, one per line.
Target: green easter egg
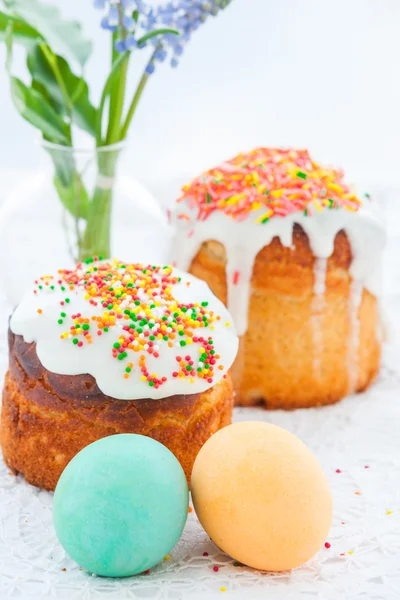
121	505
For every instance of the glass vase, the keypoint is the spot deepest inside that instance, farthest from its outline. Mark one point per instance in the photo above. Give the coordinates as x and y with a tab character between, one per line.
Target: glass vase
96	206
84	181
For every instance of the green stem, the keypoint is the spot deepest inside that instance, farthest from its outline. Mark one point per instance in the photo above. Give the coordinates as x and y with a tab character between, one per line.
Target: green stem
118	106
114	53
133	105
111	108
135	99
118	93
106	92
96	239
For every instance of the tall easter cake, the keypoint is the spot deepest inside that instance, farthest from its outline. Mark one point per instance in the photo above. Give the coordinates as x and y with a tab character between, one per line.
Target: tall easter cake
295	254
110	348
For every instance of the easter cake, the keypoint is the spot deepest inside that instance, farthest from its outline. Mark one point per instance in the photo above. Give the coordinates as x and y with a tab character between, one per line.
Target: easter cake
111	348
295	254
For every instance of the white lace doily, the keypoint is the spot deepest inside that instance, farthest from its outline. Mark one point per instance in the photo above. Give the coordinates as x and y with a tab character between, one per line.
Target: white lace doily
358	437
358	443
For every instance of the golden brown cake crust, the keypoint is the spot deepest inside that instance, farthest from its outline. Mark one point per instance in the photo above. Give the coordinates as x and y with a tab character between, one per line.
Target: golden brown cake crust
275	363
48	418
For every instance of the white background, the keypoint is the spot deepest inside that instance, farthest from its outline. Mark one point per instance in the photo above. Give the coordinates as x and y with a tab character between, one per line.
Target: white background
318	73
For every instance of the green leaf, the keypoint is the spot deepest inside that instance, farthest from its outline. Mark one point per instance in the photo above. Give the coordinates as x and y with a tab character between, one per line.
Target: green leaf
155	32
108	86
65	37
69	92
35	109
36	85
74	195
22	32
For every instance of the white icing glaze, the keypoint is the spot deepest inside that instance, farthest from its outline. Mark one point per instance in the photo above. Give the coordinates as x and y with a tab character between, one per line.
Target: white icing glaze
63	357
244	239
317	311
355	297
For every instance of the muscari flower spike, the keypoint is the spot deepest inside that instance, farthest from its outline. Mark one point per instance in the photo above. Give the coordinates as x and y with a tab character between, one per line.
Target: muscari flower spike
135	18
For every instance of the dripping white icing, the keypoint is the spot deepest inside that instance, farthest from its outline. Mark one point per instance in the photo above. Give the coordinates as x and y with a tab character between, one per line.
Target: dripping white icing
355	297
62	357
317	311
244	239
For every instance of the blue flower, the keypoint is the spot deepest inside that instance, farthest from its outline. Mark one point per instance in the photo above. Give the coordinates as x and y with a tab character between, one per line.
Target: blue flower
186	16
160	54
105	25
150	68
120	46
131	42
128	23
113	16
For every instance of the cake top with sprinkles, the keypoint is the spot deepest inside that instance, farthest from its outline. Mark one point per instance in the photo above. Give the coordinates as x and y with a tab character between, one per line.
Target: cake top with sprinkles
142	331
268	182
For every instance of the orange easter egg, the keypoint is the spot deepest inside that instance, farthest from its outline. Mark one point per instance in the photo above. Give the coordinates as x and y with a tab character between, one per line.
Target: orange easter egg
262	496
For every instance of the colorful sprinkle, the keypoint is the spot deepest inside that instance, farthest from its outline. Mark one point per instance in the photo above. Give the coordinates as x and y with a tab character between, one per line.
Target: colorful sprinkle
138	308
275	181
327	545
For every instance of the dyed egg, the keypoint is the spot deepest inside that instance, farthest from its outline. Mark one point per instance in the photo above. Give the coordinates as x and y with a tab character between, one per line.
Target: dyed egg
121	505
262	496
